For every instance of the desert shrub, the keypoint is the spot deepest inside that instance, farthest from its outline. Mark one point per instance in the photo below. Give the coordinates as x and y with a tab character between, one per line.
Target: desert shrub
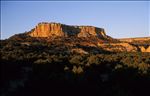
77	60
93	59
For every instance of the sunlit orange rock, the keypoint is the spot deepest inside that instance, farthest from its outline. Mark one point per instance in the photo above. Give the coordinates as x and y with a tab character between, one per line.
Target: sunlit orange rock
61	30
46	30
87	31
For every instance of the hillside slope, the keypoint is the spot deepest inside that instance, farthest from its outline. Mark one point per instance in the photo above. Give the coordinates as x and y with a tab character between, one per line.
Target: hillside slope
85	38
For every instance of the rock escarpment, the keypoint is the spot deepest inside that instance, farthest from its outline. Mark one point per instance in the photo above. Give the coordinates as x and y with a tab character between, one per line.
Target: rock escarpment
61	30
46	30
81	39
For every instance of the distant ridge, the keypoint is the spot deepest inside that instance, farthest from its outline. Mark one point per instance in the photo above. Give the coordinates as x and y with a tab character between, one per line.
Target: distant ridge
134	39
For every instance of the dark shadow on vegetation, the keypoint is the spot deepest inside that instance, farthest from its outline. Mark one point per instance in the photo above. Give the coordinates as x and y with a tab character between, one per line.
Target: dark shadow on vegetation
105	77
31	70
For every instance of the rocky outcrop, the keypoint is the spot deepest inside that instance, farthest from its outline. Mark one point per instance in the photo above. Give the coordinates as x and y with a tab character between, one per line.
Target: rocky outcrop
80	39
47	30
148	49
143	49
118	47
79	50
87	31
142	43
61	30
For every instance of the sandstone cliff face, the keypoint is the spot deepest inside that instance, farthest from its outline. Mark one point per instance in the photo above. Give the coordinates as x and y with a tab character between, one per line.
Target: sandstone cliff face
87	31
46	30
61	30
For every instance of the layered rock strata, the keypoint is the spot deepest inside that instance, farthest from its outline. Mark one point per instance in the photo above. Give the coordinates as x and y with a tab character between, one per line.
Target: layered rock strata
61	30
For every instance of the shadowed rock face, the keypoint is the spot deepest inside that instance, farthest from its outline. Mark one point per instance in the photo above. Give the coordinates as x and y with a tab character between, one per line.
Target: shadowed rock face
61	30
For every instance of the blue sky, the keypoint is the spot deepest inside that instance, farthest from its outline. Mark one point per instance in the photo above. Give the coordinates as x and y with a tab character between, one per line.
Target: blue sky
120	19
